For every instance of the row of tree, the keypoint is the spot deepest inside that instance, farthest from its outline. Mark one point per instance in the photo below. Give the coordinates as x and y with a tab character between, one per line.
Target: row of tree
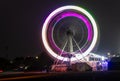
26	63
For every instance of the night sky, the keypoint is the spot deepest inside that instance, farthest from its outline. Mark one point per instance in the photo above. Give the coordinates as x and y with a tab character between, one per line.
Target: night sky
21	22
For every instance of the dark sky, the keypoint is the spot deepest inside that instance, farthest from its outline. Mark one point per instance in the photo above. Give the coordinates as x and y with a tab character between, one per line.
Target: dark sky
21	22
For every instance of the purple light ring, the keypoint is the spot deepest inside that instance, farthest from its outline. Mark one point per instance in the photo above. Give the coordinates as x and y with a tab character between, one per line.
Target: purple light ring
68	14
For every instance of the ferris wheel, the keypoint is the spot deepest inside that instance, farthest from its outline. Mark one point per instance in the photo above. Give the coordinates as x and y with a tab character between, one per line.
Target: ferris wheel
69	32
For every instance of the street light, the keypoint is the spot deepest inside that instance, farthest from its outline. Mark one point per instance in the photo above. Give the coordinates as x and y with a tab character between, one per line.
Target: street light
36	57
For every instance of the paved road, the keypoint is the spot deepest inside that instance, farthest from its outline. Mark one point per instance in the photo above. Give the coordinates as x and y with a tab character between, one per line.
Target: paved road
66	76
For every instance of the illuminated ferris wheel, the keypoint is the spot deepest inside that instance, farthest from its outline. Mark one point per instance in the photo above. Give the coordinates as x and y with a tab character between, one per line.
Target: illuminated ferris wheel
69	32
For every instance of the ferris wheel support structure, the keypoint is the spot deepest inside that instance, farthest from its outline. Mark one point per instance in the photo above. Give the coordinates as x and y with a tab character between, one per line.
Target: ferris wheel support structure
69	30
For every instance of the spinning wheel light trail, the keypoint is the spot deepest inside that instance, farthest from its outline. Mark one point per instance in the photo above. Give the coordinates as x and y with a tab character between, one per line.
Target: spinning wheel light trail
57	16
